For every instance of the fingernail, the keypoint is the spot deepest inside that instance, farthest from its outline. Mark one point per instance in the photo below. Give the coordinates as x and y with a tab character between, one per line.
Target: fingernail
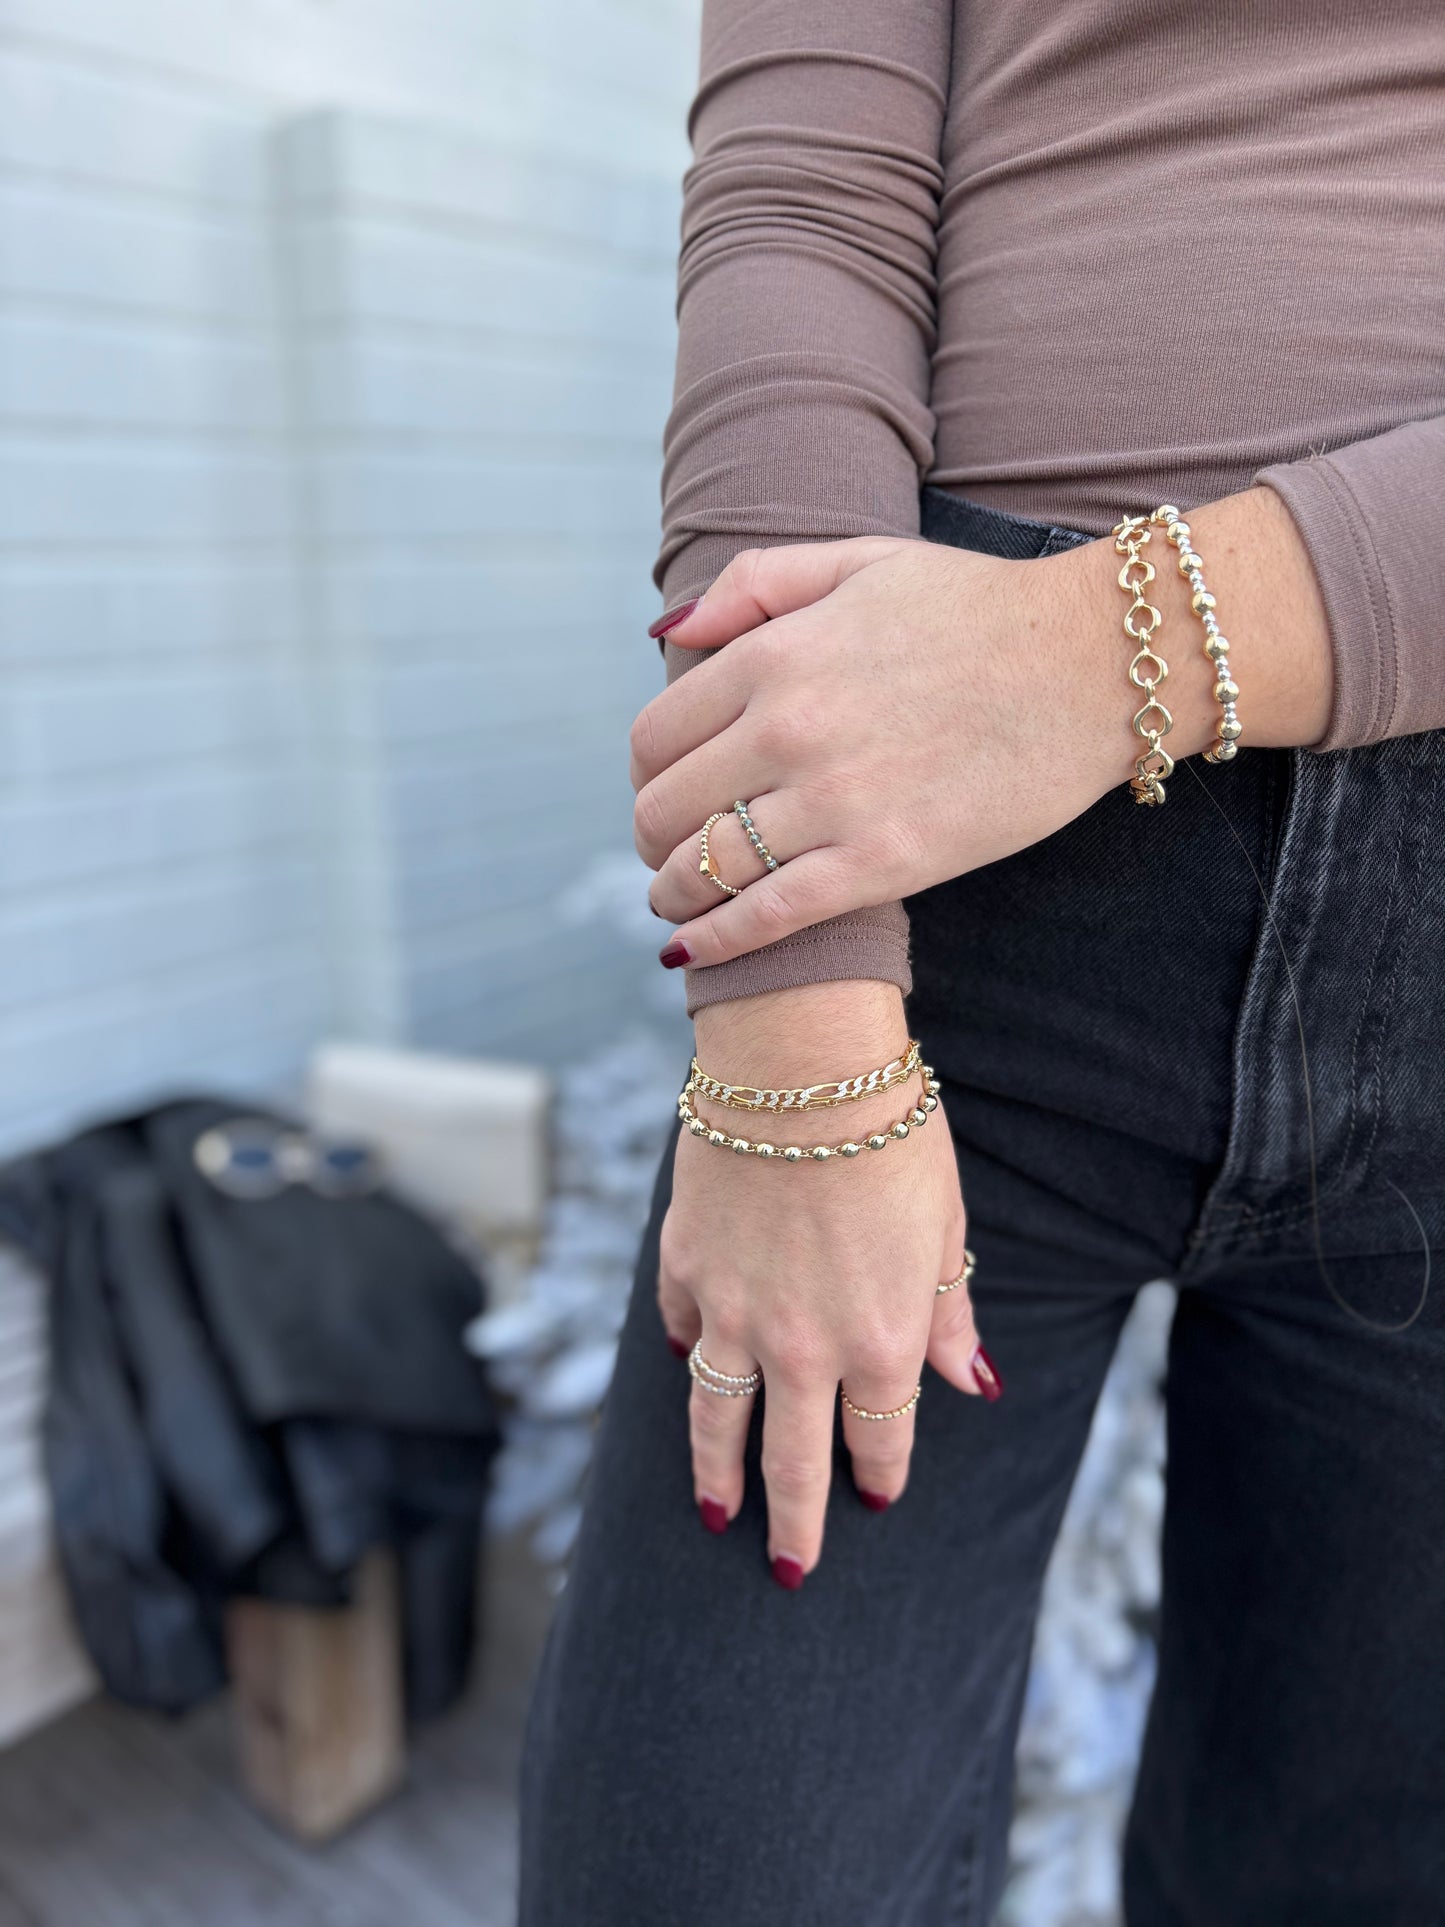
714	1514
987	1375
673	617
673	955
676	1346
875	1501
788	1572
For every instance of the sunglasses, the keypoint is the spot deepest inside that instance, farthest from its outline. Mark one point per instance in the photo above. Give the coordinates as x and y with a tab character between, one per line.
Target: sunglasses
252	1158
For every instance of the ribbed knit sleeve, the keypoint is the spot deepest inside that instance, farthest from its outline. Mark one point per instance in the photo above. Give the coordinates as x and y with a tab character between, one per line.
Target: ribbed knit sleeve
806	325
1372	519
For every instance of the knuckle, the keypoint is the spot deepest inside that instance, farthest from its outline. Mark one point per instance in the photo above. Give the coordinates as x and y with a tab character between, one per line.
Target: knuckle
791	1477
727	1322
712	1418
956	1318
793	1356
774	909
642	738
649	825
745	570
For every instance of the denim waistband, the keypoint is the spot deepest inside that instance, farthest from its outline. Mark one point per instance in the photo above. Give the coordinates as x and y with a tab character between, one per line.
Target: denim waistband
969	525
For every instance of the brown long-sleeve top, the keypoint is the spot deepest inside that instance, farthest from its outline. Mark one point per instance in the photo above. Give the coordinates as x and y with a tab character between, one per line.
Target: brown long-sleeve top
1068	258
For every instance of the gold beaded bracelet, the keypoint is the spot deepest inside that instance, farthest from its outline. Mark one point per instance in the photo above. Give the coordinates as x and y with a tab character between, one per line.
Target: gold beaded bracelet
808	1097
816	1153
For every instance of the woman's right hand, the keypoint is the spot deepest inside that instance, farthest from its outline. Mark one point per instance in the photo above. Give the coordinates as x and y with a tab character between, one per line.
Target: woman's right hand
823	1277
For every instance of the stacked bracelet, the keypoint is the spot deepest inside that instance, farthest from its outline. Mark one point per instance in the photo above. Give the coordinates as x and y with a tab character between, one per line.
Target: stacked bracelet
808	1097
1148	669
1225	746
816	1153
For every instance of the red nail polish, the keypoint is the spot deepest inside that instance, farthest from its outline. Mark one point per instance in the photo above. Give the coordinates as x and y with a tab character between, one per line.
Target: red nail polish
714	1514
987	1374
787	1572
673	955
875	1501
676	1346
673	617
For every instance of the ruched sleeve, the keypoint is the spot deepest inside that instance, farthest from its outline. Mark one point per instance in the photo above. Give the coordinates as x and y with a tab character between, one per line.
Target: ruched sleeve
1372	517
806	311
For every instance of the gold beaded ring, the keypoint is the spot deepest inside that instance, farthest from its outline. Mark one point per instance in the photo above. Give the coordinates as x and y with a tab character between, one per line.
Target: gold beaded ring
707	867
970	1265
899	1411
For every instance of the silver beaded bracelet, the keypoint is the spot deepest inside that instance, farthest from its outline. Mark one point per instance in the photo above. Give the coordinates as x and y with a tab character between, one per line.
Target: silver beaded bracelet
1225	746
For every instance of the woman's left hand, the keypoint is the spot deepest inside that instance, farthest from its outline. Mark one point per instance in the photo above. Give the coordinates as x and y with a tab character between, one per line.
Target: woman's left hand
896	712
893	711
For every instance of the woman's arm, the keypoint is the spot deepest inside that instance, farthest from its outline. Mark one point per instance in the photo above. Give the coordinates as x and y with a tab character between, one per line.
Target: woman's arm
806	326
910	711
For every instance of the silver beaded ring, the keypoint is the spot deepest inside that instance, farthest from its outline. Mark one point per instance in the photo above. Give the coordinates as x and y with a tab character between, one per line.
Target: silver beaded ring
722	1384
744	816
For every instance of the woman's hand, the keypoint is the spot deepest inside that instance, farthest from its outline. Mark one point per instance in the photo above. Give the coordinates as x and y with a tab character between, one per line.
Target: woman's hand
897	712
823	1275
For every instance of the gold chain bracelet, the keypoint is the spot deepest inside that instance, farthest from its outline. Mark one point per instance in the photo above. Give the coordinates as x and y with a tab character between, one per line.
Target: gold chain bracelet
812	1153
808	1097
1148	670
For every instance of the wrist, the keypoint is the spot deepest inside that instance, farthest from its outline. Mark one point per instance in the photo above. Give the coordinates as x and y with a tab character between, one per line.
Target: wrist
802	1035
1269	606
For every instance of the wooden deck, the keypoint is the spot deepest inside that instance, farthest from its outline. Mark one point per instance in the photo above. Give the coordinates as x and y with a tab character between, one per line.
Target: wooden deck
109	1818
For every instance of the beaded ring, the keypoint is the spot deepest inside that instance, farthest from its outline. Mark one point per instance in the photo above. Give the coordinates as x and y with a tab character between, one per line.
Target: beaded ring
740	810
707	867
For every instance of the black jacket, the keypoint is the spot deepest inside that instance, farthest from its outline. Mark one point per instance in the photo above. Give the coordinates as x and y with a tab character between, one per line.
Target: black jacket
244	1396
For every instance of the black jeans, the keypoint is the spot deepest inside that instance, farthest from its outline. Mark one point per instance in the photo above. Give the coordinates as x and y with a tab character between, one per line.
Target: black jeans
1111	1017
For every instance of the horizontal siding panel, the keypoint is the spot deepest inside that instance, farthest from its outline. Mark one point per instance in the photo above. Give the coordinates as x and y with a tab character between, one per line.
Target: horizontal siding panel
126	607
83	249
97	375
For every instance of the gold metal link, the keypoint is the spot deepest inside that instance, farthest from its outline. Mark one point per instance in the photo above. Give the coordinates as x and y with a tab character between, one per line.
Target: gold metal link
1148	670
809	1097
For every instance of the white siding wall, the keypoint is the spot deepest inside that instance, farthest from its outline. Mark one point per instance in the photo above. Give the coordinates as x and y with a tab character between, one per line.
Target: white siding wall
334	351
335	345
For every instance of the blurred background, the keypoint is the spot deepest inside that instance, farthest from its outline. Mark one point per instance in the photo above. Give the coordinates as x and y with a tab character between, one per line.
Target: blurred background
335	349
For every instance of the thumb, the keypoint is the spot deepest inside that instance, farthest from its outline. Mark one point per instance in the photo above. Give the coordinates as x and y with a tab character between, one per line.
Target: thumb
954	1350
759	584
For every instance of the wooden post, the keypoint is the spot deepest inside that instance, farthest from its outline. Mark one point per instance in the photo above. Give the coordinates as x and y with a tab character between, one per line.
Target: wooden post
317	1699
